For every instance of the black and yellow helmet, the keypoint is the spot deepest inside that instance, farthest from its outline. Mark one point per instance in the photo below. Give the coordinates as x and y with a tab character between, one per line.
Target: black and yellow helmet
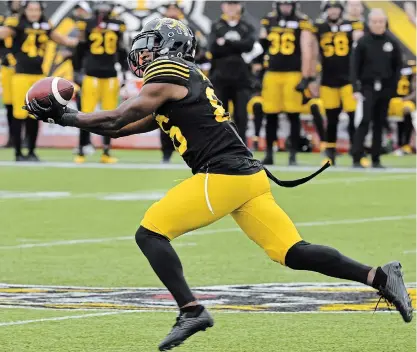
332	3
165	37
294	4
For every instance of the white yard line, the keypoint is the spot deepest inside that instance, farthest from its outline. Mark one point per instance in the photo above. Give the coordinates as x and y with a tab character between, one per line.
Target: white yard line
205	232
144	166
69	317
410	252
66	317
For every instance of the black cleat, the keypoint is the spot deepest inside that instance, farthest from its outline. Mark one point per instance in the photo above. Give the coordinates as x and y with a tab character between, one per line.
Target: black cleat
358	165
292	160
395	291
20	158
187	325
32	158
377	165
269	160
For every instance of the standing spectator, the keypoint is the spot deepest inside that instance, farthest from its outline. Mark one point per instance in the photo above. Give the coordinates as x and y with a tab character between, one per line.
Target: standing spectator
376	64
230	37
354	11
290	56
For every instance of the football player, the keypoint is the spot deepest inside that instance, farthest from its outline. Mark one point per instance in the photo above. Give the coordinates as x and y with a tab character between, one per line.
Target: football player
30	30
403	105
8	63
101	47
82	12
287	38
180	99
335	36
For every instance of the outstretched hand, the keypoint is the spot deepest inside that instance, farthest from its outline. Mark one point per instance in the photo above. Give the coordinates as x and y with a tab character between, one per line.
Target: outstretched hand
51	113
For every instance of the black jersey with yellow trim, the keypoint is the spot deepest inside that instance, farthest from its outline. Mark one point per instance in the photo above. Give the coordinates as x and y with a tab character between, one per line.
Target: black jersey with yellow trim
283	40
103	40
335	45
29	43
6	56
408	73
199	126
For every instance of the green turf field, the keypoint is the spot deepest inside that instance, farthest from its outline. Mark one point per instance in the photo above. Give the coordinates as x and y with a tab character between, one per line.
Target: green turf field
74	227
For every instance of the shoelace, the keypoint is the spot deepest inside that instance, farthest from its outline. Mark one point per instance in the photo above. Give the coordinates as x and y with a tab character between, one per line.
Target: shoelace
387	302
177	322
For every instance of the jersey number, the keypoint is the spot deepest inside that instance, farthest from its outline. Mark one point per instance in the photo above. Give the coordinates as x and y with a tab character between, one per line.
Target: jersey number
103	43
35	45
179	141
281	43
219	111
338	45
403	87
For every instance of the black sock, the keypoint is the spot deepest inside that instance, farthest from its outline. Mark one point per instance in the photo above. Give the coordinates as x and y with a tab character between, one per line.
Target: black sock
295	125
327	261
380	278
106	145
271	131
408	128
32	127
318	121
84	140
400	133
17	136
351	126
165	263
258	116
9	109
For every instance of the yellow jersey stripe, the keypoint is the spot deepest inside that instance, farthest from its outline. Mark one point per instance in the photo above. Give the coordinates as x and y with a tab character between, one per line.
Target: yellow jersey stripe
165	61
164	75
157	67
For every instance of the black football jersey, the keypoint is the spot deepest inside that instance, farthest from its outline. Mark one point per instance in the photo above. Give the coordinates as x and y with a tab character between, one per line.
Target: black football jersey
405	82
335	43
103	40
200	128
283	35
29	43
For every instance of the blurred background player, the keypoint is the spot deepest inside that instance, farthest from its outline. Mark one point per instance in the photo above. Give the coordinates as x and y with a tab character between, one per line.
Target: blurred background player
336	37
375	68
82	12
403	105
101	47
230	37
287	38
8	63
30	30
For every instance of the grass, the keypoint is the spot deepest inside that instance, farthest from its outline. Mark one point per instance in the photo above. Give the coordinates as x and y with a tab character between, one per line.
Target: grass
366	216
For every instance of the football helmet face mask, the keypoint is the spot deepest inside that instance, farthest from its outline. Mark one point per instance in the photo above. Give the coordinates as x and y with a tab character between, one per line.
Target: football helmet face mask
158	38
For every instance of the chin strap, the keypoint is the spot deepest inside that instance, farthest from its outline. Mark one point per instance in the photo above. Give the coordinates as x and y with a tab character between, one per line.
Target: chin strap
297	182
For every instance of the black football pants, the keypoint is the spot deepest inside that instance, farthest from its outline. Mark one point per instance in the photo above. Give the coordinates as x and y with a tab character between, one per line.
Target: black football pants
375	109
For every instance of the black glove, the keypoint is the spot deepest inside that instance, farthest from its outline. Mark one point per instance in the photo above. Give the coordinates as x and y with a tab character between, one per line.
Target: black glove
303	84
52	113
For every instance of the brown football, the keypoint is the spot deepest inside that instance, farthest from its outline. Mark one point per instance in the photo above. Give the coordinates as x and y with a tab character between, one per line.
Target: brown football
60	88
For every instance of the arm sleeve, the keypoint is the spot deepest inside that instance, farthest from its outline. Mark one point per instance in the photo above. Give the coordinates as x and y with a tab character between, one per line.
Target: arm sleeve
167	71
355	65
